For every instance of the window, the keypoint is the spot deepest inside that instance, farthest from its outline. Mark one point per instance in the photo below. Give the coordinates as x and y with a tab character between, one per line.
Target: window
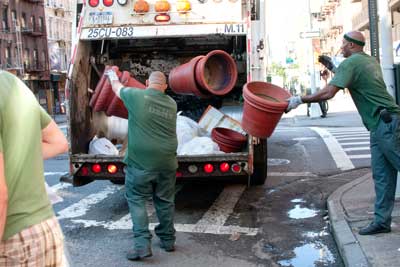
44	61
8	56
23	20
33	23
35	58
5	19
50	28
41	26
26	57
13	16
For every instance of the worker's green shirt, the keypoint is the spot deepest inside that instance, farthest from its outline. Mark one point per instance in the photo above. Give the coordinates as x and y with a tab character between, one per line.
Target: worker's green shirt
21	122
362	75
152	139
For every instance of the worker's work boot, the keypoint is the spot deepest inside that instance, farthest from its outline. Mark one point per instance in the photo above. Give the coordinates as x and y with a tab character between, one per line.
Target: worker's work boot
167	246
373	229
138	254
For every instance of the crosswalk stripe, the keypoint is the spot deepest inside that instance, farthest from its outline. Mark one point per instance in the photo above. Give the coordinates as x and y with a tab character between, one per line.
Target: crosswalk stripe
354	143
179	227
220	210
366	156
60	186
353	138
291	174
351	135
81	207
356	148
346	130
343	162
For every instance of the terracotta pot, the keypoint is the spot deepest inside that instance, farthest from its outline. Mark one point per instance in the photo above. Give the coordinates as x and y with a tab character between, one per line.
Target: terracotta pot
181	79
106	94
228	140
117	107
264	104
216	72
98	88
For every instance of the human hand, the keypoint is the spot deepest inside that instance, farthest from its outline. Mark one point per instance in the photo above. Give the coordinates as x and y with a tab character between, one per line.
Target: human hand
294	102
327	62
112	75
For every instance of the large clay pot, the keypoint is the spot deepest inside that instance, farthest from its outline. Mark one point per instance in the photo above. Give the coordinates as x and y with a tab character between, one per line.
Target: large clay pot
228	140
106	94
98	88
264	104
181	79
216	72
117	107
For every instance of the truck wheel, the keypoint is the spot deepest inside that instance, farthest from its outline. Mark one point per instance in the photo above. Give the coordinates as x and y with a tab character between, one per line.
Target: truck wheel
260	164
117	181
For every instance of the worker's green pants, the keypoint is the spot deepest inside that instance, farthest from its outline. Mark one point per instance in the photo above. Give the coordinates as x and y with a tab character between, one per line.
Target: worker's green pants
140	186
385	161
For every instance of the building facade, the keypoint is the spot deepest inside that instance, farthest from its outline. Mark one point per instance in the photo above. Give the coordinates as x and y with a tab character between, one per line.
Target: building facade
59	26
23	44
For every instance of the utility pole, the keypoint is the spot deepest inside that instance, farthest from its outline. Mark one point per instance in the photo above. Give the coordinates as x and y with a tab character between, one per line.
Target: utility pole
385	25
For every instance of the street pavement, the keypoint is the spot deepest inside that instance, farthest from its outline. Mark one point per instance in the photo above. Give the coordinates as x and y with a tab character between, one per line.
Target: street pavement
351	206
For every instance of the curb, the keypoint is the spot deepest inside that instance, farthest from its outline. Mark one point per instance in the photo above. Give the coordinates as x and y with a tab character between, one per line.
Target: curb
348	245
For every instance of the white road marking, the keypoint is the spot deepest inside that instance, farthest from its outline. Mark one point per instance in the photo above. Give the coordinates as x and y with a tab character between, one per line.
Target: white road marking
304	138
352	138
343	162
355	143
60	186
346	130
223	206
179	227
350	135
81	207
356	148
291	174
54	173
366	156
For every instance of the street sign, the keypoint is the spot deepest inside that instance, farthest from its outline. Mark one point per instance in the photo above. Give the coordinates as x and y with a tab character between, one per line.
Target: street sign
311	34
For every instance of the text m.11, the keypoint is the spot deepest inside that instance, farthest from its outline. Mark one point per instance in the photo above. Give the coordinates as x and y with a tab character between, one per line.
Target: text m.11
234	28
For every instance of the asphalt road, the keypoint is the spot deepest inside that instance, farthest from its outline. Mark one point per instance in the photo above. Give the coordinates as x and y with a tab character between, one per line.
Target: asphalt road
282	223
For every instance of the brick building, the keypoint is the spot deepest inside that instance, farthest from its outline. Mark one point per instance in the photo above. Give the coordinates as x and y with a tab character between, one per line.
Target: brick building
23	44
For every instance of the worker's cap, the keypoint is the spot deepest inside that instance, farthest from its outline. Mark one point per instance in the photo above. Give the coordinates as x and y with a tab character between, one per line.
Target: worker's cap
157	77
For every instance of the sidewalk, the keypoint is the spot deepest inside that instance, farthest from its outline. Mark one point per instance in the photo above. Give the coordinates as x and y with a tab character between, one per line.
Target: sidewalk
59	118
350	208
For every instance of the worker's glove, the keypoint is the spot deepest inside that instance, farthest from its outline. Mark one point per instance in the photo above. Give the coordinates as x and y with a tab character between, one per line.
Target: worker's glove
294	102
327	62
112	75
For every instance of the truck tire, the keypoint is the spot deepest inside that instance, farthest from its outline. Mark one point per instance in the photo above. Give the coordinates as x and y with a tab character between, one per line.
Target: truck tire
260	164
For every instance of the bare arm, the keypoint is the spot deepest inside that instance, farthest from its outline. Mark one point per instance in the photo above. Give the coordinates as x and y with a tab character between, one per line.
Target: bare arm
53	141
116	87
328	92
3	197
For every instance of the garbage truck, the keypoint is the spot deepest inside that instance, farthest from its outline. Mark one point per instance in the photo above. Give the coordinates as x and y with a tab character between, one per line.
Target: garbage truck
144	35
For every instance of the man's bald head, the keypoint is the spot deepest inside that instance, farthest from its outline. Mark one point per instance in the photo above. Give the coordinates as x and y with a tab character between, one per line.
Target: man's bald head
356	35
353	42
157	80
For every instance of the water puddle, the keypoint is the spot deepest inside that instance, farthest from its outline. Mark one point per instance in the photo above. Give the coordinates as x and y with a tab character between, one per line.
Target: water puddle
297	200
315	234
301	213
310	255
277	162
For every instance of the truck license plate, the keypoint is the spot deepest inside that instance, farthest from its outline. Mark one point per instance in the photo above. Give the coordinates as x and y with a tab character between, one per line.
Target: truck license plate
100	17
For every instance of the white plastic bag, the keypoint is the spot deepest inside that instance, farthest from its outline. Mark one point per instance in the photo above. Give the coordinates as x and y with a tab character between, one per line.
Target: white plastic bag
186	130
199	146
53	197
102	146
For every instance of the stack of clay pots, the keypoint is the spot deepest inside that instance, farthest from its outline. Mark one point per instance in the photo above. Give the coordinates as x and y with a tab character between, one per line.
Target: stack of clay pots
264	104
104	98
203	76
228	140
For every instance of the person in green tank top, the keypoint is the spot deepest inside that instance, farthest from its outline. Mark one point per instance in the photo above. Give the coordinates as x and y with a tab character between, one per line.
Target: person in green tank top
150	160
362	75
27	136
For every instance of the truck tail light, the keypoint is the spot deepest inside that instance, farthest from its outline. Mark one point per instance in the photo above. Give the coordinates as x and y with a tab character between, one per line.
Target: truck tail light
178	174
94	3
122	2
208	168
236	168
111	168
162	18
108	2
96	168
224	167
84	171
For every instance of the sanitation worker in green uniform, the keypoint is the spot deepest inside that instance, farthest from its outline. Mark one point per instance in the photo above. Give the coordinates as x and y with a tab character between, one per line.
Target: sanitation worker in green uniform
362	75
150	160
